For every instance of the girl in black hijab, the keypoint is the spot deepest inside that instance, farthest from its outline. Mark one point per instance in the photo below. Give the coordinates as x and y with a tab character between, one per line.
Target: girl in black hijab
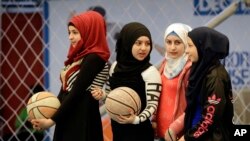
209	111
132	69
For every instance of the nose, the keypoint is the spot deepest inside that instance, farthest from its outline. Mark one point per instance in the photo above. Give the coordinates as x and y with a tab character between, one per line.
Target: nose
172	46
143	47
187	51
70	37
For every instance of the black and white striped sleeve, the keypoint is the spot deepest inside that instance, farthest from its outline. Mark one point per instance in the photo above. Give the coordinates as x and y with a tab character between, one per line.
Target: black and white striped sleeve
107	85
100	78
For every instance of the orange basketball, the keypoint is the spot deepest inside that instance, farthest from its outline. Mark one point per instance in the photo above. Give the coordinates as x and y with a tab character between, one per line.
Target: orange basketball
121	101
42	105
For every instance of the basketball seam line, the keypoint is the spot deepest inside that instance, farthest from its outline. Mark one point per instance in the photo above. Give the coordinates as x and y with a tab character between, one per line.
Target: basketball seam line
32	109
40	99
115	113
137	106
122	103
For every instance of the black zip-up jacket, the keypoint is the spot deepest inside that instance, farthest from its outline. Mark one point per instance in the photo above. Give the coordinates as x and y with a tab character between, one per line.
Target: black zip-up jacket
216	108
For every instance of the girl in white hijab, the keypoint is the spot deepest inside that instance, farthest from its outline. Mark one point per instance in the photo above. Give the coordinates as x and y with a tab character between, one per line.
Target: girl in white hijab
174	71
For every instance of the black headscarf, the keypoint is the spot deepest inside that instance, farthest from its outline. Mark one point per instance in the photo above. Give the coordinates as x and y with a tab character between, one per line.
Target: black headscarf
126	63
211	46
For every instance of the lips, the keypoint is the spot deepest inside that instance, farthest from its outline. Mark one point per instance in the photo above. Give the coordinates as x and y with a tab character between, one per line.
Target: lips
173	53
142	54
73	43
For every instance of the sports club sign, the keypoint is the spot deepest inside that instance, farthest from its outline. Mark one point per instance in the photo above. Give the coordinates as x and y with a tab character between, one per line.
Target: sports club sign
238	64
214	7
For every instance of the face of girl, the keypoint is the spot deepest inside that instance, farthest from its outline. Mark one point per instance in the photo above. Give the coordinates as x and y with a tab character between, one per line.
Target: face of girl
191	51
141	48
174	46
74	35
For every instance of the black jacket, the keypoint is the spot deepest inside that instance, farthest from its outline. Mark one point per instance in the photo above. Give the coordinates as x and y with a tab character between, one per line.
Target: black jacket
216	108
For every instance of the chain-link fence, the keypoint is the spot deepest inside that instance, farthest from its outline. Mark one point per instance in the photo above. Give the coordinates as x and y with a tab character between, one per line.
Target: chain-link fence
34	46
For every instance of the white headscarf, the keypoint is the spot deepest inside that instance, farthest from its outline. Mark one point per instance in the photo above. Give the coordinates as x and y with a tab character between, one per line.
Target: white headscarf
174	66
